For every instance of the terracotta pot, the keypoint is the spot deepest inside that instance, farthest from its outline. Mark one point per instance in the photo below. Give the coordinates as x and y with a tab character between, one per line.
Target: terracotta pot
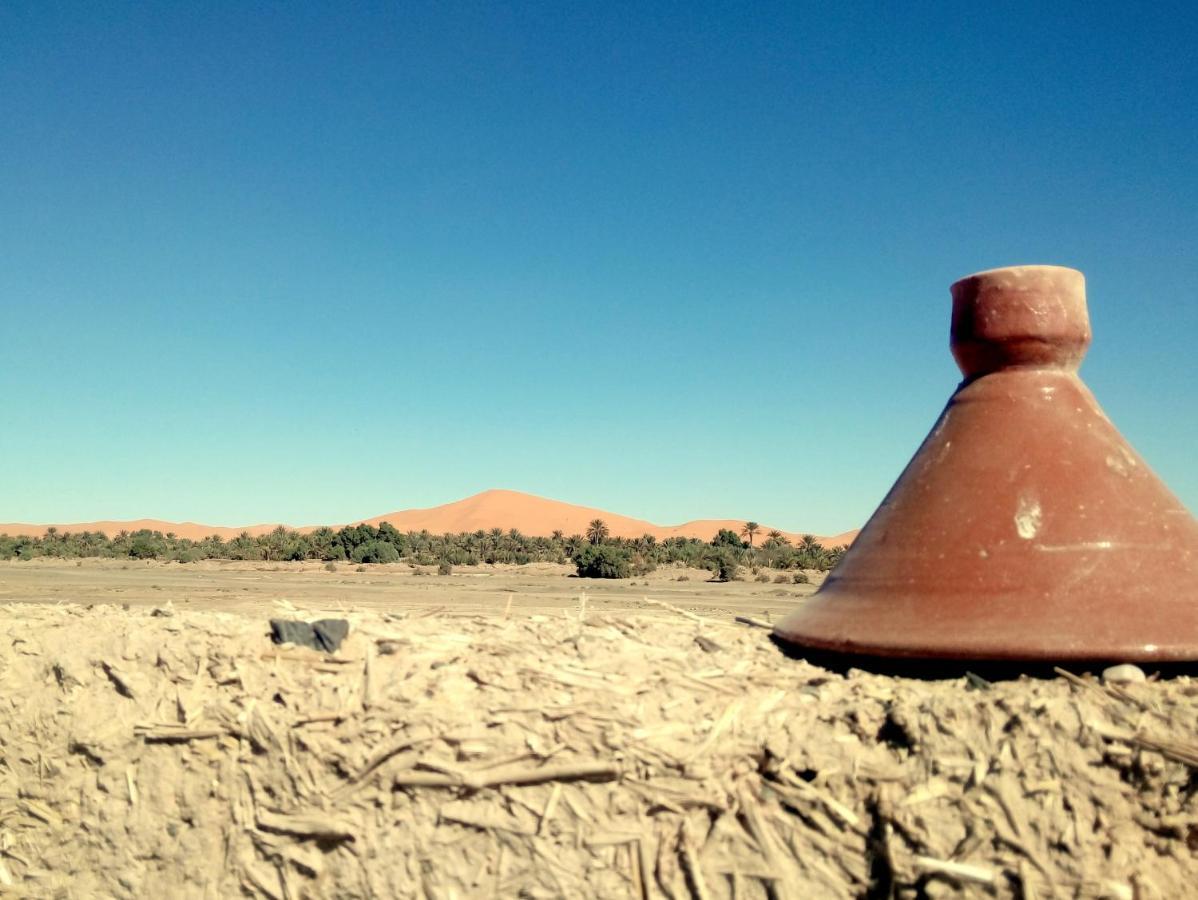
1025	527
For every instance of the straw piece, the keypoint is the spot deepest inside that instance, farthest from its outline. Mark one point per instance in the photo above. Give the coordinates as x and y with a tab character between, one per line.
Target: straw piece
181	735
596	771
308	825
959	871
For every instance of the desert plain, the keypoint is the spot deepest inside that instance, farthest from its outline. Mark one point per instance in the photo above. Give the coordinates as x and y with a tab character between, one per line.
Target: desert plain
250	588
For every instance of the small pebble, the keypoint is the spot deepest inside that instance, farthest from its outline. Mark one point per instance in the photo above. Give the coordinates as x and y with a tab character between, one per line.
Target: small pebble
1124	674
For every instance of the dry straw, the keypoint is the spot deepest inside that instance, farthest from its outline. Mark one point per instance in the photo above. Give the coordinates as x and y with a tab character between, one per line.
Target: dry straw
662	754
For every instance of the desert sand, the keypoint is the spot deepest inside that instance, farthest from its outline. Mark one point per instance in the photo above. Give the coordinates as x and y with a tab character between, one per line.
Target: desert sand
252	587
535	516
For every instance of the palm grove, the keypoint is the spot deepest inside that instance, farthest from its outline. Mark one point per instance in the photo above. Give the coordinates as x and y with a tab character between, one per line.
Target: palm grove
595	554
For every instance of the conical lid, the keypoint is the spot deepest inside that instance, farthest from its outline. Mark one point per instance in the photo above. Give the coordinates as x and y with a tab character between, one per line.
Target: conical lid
1025	527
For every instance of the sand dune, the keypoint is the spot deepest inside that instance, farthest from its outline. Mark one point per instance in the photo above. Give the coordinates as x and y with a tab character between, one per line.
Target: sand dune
541	516
490	509
192	530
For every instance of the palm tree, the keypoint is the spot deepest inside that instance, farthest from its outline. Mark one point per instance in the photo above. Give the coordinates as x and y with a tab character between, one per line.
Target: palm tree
812	554
597	531
750	529
776	536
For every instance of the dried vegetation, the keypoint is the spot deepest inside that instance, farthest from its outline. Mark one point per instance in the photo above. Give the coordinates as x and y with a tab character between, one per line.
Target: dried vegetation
180	754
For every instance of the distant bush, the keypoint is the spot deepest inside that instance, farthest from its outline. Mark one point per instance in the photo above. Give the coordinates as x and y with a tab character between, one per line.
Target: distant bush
445	569
764	578
330	567
145	545
726	567
780	579
683	578
643	565
602	561
726	537
801	578
376	552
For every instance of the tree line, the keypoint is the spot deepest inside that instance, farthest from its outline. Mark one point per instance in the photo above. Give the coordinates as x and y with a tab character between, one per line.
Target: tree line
594	553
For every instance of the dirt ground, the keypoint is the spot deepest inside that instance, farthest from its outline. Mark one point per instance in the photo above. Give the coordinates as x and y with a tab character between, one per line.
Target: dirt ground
639	743
243	587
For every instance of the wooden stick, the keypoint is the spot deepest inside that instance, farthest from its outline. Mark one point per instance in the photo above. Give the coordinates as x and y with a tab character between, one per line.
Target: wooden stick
644	867
596	771
313	660
674	609
311	825
385	754
320	717
181	736
1073	679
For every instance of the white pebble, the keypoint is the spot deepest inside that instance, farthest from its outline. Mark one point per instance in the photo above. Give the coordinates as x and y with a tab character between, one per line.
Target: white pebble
1124	674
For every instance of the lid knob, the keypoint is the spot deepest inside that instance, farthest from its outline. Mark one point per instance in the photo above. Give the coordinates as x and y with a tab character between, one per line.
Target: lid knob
1021	316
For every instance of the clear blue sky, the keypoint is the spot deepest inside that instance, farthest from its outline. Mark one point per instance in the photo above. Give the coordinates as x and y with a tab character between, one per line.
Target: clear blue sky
309	263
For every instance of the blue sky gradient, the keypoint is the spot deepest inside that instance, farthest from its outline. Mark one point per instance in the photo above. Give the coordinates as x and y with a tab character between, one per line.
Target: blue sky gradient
309	263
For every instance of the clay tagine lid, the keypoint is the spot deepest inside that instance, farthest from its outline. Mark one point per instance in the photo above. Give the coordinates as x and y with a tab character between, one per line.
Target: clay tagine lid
1025	528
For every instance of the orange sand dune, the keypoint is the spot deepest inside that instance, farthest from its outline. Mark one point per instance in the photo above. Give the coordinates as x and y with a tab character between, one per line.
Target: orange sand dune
490	509
541	516
191	530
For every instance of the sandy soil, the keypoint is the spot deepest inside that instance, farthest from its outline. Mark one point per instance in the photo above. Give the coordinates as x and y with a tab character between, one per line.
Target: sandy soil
483	590
621	747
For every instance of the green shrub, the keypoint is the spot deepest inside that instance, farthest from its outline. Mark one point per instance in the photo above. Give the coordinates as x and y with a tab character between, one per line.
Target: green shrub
602	561
643	565
726	537
146	546
376	552
726	568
